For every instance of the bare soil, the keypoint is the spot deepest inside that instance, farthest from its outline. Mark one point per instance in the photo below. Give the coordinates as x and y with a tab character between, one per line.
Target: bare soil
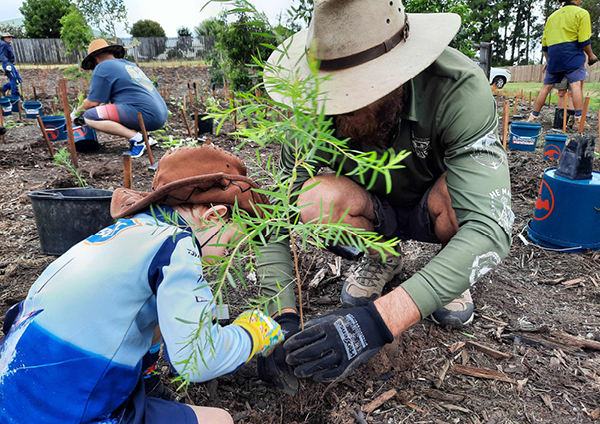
526	308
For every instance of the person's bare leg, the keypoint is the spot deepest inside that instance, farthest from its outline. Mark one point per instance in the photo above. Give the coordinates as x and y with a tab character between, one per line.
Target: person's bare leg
561	99
541	98
111	127
577	90
207	415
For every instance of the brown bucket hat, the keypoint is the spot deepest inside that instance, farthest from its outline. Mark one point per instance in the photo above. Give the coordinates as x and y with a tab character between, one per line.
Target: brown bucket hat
97	46
196	175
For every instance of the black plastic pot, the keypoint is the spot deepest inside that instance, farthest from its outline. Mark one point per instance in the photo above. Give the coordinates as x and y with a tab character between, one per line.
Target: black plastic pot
205	126
66	216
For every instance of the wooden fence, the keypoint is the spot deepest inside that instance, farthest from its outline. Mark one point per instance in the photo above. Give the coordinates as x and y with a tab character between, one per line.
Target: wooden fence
534	73
54	51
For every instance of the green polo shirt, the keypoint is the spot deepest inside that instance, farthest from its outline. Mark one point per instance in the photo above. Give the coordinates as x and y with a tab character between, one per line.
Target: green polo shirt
449	124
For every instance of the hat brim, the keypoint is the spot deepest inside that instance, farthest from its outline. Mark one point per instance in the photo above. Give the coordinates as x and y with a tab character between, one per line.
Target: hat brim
350	89
217	188
89	62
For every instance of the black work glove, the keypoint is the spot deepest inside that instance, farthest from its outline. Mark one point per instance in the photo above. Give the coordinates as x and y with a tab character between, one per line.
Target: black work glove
274	369
333	346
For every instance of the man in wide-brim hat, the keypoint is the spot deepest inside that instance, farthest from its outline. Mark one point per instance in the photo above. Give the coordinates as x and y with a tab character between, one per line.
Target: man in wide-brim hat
7	58
393	83
120	90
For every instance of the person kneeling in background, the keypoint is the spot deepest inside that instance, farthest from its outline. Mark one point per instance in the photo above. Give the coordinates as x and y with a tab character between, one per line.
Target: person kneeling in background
125	90
74	349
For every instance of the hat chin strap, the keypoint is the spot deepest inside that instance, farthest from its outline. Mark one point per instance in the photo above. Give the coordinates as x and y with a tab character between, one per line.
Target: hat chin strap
369	54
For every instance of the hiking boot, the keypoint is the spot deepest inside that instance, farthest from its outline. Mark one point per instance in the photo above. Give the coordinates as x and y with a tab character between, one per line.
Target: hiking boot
368	279
137	149
456	314
156	389
532	119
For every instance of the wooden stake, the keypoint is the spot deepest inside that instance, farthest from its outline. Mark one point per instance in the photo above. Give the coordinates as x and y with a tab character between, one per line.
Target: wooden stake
53	105
69	124
145	134
127	176
186	124
20	111
586	103
565	112
195	124
505	122
530	100
45	134
184	105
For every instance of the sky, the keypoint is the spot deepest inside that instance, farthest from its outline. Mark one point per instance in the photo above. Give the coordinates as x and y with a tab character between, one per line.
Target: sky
169	14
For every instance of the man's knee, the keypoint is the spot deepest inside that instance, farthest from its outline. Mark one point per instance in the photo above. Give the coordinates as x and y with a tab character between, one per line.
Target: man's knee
441	212
332	196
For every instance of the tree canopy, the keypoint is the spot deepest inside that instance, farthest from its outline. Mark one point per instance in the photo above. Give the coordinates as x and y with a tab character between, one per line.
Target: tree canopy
75	32
147	28
104	15
42	17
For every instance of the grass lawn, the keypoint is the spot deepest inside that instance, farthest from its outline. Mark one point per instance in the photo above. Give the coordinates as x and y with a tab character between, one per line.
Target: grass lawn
591	89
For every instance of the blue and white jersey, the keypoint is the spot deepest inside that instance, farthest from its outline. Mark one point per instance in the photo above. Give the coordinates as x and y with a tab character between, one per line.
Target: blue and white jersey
74	353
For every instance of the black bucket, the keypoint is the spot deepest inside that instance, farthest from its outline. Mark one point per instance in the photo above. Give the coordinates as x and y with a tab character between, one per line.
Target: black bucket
66	216
205	126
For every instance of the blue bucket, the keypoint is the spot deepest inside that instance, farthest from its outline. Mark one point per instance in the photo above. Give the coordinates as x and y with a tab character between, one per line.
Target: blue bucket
85	139
32	109
524	135
6	106
55	127
14	100
555	143
566	214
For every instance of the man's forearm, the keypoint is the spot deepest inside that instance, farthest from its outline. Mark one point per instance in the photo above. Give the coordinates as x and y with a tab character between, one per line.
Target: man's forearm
398	310
88	104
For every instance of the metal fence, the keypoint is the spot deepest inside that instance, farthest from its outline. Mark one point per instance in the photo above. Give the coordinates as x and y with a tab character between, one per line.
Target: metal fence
54	51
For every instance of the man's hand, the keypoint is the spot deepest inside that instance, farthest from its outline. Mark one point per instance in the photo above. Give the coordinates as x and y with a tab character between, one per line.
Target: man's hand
593	59
274	369
333	346
265	333
77	116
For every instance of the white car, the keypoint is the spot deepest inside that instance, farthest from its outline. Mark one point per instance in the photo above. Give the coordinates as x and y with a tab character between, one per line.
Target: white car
499	76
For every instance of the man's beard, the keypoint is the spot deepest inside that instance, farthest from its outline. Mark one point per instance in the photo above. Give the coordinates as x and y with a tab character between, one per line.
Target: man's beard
373	123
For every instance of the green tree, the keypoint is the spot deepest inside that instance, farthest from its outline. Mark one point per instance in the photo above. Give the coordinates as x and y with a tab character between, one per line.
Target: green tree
17	31
104	15
212	26
147	28
75	32
183	31
42	17
593	7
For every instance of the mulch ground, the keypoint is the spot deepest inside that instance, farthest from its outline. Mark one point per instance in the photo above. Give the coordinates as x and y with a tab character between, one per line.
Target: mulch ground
531	355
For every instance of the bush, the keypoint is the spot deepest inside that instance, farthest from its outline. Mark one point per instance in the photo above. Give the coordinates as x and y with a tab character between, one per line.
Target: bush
147	28
42	17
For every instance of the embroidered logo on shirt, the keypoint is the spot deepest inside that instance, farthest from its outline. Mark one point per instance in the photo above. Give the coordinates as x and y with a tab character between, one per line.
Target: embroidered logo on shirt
482	265
111	232
421	146
486	152
501	210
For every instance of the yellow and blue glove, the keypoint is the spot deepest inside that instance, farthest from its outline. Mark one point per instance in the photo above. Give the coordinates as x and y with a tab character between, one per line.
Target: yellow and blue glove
265	332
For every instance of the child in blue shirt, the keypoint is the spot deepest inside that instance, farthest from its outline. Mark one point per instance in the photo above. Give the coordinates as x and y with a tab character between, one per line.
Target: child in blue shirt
73	349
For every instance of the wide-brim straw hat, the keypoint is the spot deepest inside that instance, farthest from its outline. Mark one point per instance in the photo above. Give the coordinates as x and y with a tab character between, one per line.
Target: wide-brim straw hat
5	35
367	48
97	46
195	175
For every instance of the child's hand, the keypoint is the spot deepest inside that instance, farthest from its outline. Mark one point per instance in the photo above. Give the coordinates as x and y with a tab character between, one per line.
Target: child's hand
265	332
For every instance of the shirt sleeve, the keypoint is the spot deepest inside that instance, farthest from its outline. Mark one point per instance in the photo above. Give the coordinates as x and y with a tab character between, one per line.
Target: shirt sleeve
479	187
101	86
196	347
3	53
584	34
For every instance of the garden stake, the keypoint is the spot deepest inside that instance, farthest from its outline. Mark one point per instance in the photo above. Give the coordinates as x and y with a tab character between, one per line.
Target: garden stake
565	112
530	100
1	125
184	105
45	134
34	94
195	125
20	112
505	122
53	105
145	134
68	123
127	177
586	103
186	123
195	91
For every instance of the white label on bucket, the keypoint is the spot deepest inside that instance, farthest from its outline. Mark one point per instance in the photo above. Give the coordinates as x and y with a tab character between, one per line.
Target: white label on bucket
488	152
524	141
482	265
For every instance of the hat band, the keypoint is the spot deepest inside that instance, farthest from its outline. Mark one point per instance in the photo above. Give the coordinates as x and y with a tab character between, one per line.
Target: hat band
369	54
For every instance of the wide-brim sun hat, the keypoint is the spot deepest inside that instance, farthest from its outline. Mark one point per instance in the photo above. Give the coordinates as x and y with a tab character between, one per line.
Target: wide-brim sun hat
367	48
97	46
5	35
196	175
